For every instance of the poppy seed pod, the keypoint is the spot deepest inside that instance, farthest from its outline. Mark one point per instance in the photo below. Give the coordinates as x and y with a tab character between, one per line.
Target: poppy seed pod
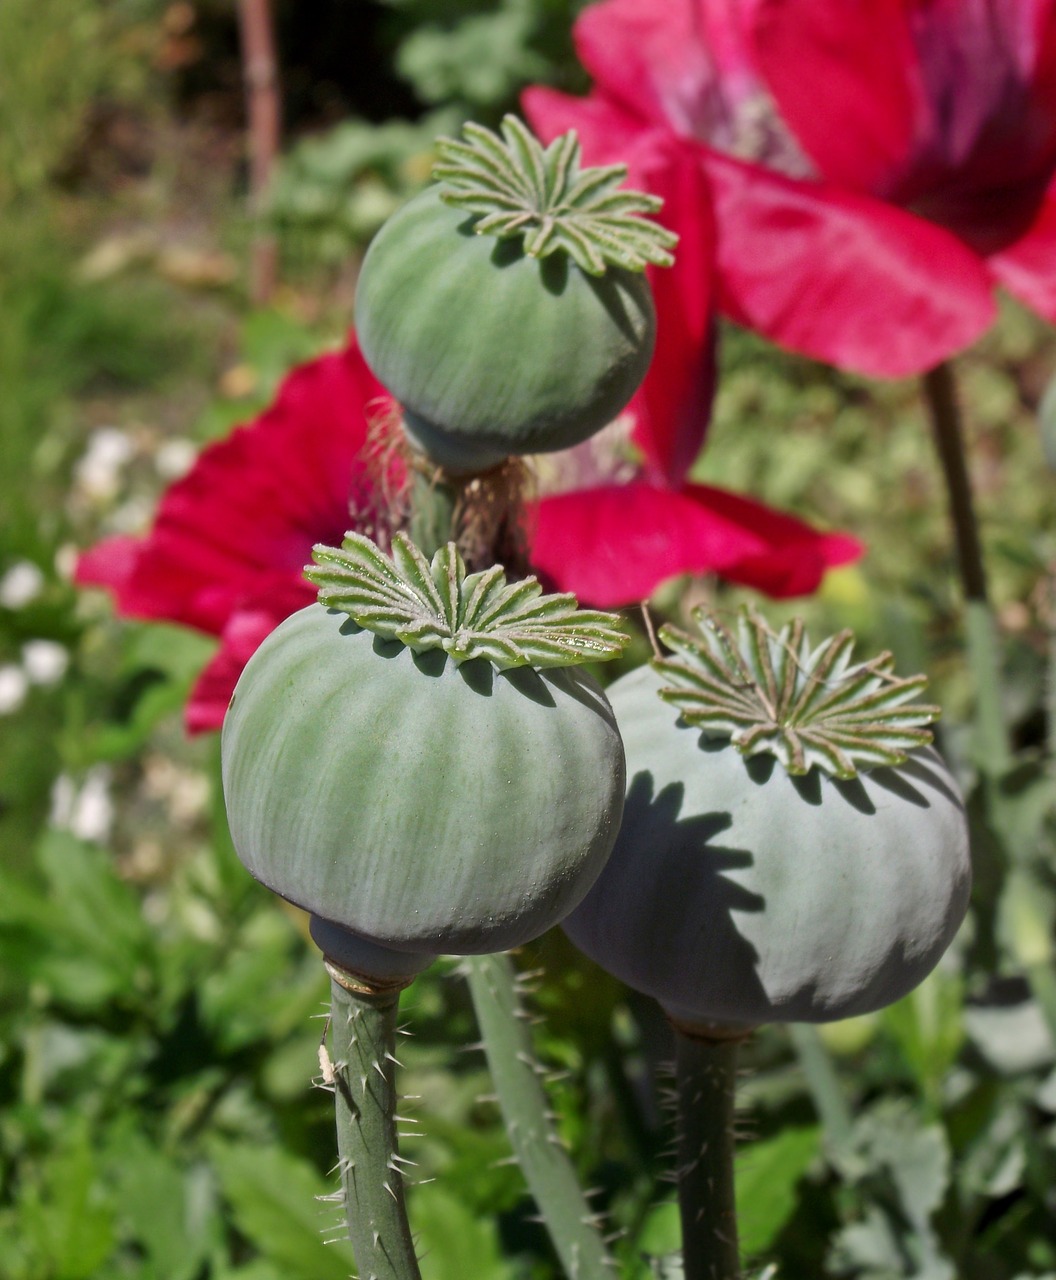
744	888
421	763
505	306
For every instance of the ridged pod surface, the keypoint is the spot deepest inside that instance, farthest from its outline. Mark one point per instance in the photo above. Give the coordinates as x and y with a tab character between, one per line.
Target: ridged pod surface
422	805
739	894
490	351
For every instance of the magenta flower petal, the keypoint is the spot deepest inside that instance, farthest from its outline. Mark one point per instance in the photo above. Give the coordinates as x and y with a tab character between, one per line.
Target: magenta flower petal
111	563
845	80
244	631
842	277
1028	268
947	108
244	519
613	546
682	64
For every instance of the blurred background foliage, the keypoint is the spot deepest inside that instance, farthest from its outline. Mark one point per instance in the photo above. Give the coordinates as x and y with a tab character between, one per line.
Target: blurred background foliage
159	1012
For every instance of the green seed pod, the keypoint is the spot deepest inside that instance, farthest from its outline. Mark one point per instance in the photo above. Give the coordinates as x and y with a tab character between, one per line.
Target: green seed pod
421	764
505	307
747	889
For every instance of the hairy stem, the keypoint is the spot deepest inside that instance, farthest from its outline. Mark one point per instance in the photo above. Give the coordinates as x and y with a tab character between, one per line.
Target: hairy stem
363	1066
993	752
706	1079
547	1169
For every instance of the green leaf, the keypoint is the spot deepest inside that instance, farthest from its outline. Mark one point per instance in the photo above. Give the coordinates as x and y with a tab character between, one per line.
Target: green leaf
275	1198
68	1218
929	1029
160	1207
767	1175
449	1235
891	1140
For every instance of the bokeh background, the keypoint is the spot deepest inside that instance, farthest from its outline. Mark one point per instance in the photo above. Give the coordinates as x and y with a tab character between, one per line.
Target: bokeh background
160	1012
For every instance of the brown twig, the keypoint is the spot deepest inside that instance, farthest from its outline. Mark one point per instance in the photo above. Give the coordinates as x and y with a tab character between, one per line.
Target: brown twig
264	113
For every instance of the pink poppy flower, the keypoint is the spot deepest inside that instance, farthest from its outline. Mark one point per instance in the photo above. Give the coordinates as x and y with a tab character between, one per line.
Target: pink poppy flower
228	543
869	171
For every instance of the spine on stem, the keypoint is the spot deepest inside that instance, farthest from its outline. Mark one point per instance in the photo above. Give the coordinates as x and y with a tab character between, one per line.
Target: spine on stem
362	1067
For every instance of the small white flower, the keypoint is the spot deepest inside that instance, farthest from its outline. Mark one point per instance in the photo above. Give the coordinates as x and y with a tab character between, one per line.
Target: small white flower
45	661
21	585
175	458
86	810
99	470
14	685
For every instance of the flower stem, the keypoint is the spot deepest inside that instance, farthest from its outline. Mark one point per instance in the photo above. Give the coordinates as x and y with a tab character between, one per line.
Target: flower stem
363	1066
992	748
823	1083
706	1079
548	1171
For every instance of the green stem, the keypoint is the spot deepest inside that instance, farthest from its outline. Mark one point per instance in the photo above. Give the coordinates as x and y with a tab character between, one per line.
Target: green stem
706	1080
992	748
363	1031
547	1169
830	1102
434	506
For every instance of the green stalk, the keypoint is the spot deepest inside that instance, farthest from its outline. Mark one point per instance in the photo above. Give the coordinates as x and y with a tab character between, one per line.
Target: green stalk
547	1169
992	748
437	504
363	1068
824	1085
706	1081
434	510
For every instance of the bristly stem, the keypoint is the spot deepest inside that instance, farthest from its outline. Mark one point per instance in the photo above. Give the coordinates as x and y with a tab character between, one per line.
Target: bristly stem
363	1068
706	1081
547	1169
993	750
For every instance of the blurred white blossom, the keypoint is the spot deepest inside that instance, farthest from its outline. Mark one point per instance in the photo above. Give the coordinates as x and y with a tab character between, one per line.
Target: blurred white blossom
21	585
45	661
14	685
99	471
86	808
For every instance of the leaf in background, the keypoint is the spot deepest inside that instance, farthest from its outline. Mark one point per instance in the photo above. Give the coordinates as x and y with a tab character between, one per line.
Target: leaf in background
274	1197
457	1242
767	1175
1009	1030
161	1208
83	935
262	989
928	1029
66	1219
867	1249
914	1154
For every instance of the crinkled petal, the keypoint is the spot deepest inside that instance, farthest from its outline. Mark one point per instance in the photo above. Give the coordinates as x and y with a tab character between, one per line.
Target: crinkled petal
245	517
841	277
846	81
613	546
